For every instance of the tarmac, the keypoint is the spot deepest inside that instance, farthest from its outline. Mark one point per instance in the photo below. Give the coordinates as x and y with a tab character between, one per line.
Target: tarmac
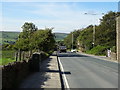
99	57
47	77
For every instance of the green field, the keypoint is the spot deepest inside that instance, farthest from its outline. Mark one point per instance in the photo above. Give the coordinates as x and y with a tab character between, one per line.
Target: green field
8	37
7	57
11	37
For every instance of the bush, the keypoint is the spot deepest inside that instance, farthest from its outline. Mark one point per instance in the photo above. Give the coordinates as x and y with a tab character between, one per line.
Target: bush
98	50
113	49
44	55
50	52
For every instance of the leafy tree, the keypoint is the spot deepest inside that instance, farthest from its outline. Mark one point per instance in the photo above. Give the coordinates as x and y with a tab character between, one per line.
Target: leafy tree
85	38
105	33
44	40
60	42
25	37
68	39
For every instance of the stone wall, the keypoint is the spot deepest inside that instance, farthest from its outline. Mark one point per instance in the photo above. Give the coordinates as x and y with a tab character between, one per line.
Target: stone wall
118	38
113	56
14	73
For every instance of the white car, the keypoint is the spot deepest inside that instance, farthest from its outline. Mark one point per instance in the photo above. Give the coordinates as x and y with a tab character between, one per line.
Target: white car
73	50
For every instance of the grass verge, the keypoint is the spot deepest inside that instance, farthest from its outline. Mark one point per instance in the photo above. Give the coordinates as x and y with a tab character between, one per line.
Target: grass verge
8	56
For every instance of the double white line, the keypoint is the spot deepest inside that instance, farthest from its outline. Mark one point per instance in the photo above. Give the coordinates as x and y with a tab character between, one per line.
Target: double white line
65	79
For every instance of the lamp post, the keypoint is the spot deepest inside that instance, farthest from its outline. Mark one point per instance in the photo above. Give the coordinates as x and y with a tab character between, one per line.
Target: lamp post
93	43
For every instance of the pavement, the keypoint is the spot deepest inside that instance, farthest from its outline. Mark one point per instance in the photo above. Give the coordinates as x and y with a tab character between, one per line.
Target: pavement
48	77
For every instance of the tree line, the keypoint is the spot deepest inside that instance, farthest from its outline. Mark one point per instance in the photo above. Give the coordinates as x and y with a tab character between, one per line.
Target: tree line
105	36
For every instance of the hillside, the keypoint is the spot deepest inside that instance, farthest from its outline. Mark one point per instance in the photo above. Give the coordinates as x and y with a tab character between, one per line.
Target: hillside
11	37
8	37
60	36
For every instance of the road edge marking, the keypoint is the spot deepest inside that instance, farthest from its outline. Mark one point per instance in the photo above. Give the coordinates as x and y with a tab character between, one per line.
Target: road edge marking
65	79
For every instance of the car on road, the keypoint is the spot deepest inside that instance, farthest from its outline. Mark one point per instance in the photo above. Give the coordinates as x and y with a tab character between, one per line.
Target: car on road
62	49
73	50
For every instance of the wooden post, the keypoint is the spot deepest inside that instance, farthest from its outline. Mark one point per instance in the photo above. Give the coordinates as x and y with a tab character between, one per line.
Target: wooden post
23	54
19	55
16	56
118	38
30	53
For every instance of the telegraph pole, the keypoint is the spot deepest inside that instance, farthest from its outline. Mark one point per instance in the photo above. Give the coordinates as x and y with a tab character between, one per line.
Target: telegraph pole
93	43
93	35
72	41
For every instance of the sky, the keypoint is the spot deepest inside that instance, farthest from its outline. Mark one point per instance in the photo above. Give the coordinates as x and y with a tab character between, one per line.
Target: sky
63	16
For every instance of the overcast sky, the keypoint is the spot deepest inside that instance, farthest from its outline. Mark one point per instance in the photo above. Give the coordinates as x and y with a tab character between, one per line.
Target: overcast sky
63	16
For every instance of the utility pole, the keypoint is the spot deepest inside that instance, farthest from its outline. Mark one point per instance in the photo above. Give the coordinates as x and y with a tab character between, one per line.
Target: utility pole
72	41
93	35
93	43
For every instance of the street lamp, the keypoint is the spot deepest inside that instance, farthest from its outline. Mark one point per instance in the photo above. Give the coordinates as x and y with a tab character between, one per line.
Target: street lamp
93	26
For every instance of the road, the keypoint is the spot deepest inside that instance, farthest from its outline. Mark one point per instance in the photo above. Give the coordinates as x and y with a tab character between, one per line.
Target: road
82	71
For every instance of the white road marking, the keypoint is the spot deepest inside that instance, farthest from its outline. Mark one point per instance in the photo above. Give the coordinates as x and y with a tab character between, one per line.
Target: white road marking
65	79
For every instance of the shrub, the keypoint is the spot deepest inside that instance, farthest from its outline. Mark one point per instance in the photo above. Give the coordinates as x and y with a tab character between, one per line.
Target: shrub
113	49
44	55
98	50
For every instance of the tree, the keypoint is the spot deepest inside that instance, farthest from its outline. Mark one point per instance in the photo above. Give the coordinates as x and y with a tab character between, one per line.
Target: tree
85	38
25	37
68	39
44	40
24	40
105	33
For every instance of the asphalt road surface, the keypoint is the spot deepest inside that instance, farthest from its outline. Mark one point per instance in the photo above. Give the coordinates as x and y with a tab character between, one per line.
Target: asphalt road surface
82	71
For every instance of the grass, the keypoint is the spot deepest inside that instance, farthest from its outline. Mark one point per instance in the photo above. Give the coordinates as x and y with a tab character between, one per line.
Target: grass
7	57
8	37
4	61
